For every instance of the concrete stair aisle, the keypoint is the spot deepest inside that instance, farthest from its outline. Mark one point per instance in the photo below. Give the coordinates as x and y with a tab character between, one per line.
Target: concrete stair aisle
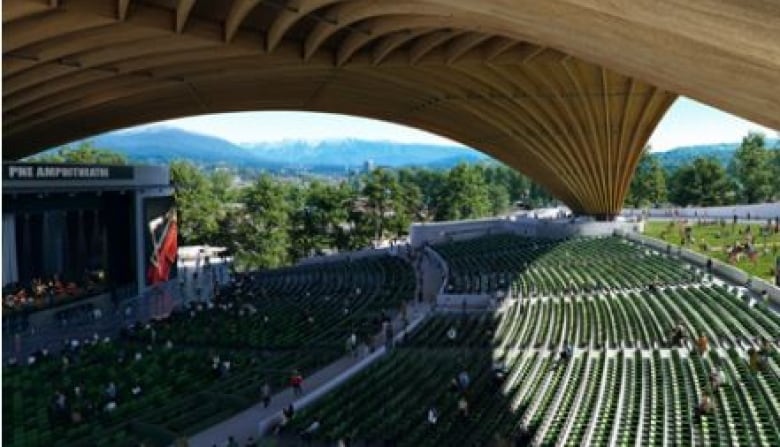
256	419
549	414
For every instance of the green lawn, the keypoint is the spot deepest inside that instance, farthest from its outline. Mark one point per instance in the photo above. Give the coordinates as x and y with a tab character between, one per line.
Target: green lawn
715	240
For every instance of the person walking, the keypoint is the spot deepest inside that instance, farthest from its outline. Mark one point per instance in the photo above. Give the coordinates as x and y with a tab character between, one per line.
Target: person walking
265	392
296	381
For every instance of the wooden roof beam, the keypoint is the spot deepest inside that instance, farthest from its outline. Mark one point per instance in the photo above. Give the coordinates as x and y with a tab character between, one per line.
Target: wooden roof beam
183	9
463	44
123	6
290	16
238	12
346	14
426	44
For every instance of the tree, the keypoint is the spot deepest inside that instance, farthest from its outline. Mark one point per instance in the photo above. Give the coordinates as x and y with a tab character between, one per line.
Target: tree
431	185
263	239
499	198
753	170
199	208
703	182
465	196
84	153
648	186
383	198
318	217
222	185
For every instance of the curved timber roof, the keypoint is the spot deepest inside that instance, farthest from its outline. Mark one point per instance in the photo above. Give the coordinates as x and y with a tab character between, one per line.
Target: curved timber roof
566	91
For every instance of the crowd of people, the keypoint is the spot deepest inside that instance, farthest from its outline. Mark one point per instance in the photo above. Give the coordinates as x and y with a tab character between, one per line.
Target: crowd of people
41	292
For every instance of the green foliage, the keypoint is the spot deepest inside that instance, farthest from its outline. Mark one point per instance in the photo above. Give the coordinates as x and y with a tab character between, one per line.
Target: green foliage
703	182
753	175
753	169
648	186
467	196
199	207
84	153
263	239
274	221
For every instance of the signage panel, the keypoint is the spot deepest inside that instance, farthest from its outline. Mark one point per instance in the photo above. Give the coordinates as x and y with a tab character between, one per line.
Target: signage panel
36	171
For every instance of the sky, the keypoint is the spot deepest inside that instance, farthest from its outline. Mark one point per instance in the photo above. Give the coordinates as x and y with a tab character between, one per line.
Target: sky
686	123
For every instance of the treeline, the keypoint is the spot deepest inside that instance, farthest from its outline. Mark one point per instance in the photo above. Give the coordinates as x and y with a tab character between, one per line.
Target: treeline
273	220
752	176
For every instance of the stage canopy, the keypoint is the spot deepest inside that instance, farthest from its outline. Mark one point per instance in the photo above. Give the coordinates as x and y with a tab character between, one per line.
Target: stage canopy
566	91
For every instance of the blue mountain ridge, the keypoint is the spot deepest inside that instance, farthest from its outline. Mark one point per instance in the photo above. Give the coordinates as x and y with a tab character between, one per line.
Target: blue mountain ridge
161	145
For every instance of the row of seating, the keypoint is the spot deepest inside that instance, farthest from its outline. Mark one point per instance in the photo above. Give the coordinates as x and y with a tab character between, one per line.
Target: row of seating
266	325
639	319
624	383
599	397
546	267
310	306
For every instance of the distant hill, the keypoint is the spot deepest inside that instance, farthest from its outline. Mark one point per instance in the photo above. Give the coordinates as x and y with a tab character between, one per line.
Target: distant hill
724	152
161	145
350	153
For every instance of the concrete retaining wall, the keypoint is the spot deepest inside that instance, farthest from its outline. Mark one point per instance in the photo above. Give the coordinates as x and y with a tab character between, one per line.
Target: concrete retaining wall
359	254
440	232
454	302
756	211
440	267
434	233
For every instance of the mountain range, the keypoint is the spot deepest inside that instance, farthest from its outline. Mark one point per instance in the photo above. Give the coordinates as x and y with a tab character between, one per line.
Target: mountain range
723	152
161	145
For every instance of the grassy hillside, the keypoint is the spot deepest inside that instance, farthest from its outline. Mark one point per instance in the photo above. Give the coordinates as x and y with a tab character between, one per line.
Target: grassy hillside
714	241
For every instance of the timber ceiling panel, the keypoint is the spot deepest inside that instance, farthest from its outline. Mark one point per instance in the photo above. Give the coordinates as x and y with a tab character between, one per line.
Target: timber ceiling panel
566	91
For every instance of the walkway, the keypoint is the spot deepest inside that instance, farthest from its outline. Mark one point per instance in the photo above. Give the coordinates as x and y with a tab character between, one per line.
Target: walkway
247	423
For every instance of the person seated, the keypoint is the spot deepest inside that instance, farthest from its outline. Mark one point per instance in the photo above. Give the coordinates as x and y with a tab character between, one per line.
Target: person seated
754	360
706	406
567	352
111	391
702	344
311	431
463	407
500	370
452	333
433	415
715	380
678	334
722	380
463	380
